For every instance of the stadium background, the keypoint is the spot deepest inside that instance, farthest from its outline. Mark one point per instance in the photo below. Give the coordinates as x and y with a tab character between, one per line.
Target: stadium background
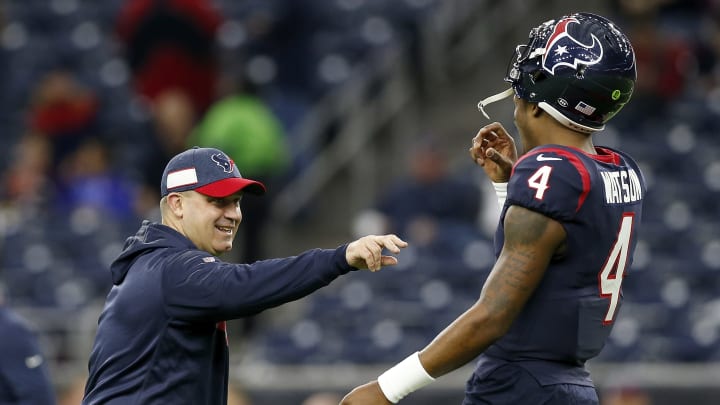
372	78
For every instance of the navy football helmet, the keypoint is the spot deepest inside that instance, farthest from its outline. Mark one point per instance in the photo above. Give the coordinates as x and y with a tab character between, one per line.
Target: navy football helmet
580	69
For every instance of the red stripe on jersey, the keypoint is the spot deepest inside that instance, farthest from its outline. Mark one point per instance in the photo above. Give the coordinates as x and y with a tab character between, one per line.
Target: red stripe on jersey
605	155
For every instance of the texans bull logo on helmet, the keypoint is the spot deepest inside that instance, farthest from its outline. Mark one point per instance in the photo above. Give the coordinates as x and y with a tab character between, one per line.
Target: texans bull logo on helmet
564	50
223	161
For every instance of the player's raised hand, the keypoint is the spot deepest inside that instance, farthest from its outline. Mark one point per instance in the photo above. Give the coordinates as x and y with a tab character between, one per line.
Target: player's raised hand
366	252
368	394
494	150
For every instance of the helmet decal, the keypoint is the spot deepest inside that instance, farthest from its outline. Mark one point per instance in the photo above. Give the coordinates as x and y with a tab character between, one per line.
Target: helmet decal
585	108
564	50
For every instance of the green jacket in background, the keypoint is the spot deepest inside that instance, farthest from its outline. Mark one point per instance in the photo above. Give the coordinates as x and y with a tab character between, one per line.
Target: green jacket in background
247	130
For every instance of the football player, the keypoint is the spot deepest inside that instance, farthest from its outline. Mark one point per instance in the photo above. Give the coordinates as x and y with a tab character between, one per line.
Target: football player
566	235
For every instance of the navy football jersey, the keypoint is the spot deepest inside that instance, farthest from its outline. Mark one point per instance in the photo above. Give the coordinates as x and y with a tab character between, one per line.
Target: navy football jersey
598	200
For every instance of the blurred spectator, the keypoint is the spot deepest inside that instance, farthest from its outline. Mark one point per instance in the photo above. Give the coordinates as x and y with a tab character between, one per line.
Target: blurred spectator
89	180
626	396
635	8
430	196
24	376
249	132
673	49
64	111
289	33
172	119
26	184
166	133
665	62
286	43
170	46
244	126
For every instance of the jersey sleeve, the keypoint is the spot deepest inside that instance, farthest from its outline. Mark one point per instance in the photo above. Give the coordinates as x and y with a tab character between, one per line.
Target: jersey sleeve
197	285
554	184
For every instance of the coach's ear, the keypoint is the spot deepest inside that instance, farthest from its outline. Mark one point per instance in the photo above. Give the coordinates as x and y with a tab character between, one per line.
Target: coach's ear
175	204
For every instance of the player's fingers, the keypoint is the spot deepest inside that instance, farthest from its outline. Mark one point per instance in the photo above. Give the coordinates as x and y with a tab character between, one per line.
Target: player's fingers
476	153
489	136
480	138
499	159
493	130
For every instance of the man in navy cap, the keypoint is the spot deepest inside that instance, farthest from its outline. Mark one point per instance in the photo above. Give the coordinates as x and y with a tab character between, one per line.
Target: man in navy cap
161	337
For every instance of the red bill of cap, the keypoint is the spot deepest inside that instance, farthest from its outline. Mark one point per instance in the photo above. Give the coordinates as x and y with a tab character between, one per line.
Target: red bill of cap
225	187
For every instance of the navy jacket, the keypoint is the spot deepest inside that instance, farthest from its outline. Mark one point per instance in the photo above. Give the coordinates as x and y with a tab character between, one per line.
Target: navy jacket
24	376
161	337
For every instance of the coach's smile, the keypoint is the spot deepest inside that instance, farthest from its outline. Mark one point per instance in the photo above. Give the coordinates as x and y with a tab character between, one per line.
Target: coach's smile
226	229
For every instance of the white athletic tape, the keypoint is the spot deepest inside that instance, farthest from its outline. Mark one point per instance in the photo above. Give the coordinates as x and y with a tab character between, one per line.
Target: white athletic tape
405	377
500	192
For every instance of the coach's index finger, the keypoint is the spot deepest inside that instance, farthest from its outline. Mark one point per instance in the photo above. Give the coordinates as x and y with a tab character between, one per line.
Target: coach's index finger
392	243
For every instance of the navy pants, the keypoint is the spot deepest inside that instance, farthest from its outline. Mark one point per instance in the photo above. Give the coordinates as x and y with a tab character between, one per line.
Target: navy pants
513	385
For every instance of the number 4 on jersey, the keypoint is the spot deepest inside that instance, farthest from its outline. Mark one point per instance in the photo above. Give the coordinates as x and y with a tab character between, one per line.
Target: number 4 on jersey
539	181
611	276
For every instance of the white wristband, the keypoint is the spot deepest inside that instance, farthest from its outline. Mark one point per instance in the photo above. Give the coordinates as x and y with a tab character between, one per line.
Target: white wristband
403	378
501	192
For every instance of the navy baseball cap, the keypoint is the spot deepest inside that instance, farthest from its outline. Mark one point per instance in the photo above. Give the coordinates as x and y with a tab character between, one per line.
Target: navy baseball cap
208	171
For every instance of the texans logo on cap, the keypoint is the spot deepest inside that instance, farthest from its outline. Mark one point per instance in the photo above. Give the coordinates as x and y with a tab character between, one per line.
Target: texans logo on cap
208	171
222	161
564	50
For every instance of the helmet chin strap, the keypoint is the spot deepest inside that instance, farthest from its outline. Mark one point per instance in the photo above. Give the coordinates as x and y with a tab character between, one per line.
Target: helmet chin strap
545	106
497	97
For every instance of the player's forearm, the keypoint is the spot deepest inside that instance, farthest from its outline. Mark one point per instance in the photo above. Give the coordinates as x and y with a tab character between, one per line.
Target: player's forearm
459	343
503	296
463	340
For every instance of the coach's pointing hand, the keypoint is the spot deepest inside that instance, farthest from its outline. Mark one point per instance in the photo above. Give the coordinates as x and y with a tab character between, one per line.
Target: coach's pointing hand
366	252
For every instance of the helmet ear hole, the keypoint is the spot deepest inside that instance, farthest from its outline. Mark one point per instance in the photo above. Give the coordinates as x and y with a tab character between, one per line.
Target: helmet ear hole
581	71
538	77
